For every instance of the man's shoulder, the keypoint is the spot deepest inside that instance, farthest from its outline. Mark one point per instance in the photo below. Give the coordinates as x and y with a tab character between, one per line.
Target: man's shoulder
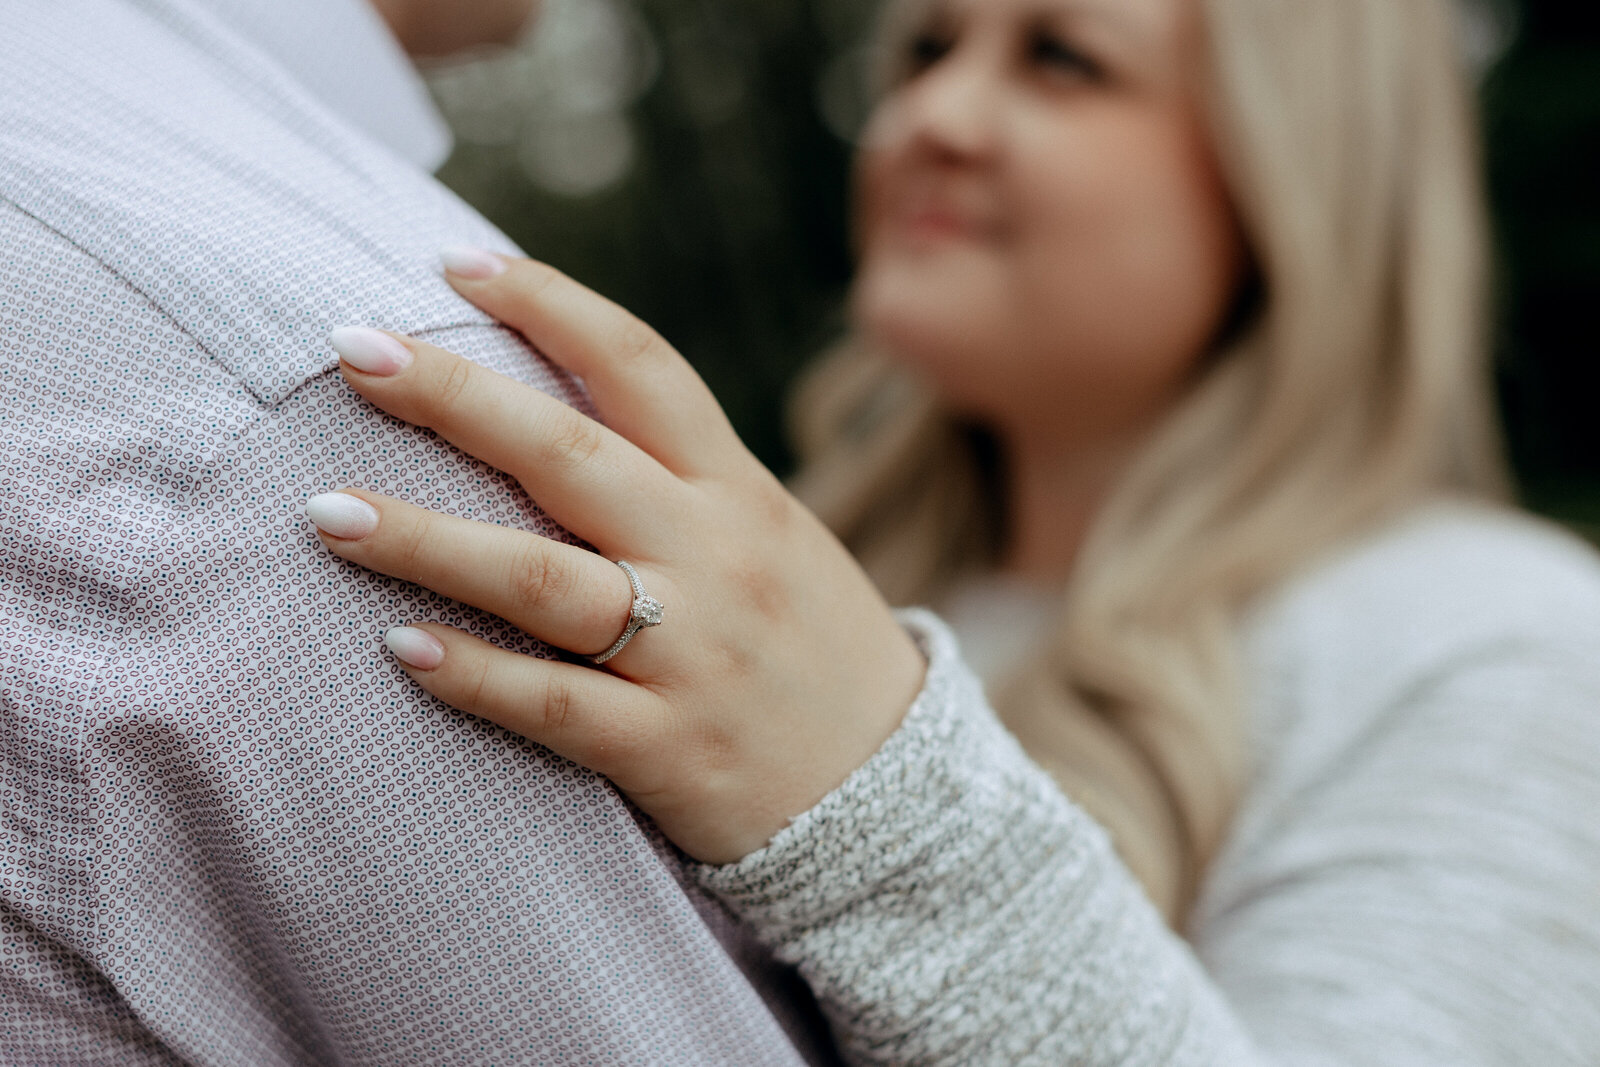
166	150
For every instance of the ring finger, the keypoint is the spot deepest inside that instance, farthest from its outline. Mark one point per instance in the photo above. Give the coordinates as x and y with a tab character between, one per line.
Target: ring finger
566	596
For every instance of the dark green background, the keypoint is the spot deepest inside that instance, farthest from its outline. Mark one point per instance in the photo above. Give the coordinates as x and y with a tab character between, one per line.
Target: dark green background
728	233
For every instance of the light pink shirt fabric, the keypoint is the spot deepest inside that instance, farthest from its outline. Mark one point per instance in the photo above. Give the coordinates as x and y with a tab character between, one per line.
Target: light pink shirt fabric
232	832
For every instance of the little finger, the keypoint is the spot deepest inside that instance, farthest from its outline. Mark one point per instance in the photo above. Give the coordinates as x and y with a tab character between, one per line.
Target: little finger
592	718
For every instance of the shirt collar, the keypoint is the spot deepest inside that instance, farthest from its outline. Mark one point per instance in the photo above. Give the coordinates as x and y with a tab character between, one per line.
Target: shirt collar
343	53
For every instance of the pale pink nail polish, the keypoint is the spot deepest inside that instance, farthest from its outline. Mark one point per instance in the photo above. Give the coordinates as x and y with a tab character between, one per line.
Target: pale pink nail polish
343	516
473	264
415	648
370	351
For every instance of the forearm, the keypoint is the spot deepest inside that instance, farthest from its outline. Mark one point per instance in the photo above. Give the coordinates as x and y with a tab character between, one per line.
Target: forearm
949	905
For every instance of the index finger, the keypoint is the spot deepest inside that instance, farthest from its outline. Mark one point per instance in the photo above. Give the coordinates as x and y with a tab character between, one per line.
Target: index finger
640	384
585	476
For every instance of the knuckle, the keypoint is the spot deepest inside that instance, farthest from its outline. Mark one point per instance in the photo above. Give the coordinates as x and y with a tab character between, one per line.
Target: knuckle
535	279
531	284
716	750
572	442
559	705
633	341
774	507
761	589
454	381
412	547
537	582
475	686
764	510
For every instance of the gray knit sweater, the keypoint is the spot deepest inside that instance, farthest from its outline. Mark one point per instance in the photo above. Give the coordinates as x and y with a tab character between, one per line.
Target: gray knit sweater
1413	878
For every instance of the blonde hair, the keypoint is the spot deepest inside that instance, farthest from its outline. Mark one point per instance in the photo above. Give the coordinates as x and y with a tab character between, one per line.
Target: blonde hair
1356	386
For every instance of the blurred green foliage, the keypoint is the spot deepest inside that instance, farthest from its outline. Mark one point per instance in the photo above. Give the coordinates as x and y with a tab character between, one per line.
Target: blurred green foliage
1542	115
729	234
711	198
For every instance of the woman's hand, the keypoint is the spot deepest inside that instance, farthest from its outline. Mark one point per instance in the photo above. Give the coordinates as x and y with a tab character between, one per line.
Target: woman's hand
777	670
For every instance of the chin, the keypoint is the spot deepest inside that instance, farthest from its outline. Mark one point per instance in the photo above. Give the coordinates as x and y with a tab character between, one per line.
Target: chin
928	345
915	319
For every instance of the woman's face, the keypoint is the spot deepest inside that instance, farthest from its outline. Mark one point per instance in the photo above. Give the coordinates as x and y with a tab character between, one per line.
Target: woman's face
1043	229
430	29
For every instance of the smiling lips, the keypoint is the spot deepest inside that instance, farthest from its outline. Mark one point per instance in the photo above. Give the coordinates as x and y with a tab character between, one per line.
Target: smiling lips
931	219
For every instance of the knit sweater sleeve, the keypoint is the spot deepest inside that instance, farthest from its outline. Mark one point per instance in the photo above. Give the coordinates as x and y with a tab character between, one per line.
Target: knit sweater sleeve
949	905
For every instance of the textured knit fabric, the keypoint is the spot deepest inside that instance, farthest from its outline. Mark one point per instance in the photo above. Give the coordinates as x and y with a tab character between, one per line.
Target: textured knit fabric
232	831
1413	879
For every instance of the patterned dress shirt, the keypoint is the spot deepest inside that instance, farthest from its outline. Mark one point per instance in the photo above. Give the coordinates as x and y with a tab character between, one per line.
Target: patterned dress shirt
232	832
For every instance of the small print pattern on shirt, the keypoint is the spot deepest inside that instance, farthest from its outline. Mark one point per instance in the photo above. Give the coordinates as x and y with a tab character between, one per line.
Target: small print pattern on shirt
231	830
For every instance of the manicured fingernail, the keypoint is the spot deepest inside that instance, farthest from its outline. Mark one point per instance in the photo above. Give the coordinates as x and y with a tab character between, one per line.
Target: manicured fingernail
343	516
415	648
370	351
473	264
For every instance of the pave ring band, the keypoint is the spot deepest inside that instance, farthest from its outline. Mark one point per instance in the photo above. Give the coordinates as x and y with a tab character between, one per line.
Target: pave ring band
645	613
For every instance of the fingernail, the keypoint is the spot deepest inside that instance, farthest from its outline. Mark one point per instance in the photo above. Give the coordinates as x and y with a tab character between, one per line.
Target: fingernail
415	648
343	516
473	264
370	351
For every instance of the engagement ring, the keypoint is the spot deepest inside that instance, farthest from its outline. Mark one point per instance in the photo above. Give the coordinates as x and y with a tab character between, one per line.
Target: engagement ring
645	613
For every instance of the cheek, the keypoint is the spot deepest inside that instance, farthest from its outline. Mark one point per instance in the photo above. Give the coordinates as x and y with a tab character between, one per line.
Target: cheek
948	317
1135	260
1121	262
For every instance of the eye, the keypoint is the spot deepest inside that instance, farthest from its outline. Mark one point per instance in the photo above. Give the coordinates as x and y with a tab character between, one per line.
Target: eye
1053	54
925	50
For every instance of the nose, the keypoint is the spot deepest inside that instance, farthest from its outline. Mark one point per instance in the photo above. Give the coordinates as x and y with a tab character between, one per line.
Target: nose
952	110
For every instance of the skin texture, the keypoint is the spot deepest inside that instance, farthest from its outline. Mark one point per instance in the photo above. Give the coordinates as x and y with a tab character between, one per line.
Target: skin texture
718	723
429	29
1046	237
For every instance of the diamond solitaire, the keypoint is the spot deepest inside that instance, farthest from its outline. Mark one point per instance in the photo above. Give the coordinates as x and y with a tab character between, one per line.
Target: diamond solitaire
646	612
